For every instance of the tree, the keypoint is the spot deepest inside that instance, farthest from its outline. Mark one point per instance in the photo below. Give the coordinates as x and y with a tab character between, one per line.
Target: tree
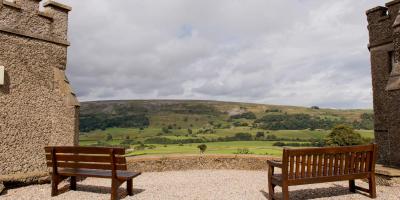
343	135
260	134
109	137
189	131
202	148
243	136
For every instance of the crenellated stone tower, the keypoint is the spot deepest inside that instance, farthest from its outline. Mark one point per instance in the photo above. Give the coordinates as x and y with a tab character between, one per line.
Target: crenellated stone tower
384	46
37	104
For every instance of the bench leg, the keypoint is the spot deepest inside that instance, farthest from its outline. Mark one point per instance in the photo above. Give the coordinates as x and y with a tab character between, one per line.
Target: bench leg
271	191
72	183
372	186
115	183
54	185
129	187
285	192
352	185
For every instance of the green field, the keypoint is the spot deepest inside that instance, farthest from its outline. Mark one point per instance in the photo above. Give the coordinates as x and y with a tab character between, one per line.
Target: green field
255	147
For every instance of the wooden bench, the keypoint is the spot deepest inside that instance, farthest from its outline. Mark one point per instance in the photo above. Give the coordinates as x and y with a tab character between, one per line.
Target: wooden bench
101	162
327	164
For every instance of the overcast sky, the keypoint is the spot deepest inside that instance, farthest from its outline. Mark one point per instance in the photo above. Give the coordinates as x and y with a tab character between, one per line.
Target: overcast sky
292	52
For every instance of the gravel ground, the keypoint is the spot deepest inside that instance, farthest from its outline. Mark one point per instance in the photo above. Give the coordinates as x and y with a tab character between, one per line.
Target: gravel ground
198	184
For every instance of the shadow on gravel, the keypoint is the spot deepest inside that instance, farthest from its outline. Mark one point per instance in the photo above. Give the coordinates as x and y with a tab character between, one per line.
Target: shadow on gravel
99	189
336	190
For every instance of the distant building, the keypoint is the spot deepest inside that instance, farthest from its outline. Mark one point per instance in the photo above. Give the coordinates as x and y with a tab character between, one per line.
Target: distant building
37	105
384	46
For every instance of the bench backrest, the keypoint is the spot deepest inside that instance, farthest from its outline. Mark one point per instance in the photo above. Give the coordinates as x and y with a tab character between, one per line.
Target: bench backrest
85	157
303	163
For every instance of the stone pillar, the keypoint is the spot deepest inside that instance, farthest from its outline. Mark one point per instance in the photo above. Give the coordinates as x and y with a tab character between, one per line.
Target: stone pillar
384	46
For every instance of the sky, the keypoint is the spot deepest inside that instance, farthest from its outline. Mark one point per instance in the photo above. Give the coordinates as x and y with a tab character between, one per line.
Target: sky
286	52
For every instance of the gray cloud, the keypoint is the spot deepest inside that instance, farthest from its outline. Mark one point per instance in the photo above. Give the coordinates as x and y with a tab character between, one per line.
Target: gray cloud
297	52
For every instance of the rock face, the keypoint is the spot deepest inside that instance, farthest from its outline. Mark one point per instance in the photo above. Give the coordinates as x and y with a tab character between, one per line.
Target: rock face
384	46
37	105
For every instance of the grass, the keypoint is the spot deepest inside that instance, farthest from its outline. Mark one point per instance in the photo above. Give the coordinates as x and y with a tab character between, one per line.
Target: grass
255	147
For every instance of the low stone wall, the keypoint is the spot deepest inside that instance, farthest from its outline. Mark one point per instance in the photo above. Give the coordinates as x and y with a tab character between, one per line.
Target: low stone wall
189	162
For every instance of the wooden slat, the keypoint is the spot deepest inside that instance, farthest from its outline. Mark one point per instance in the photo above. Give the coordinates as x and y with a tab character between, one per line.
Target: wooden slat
331	160
328	179
121	174
309	166
362	162
357	162
291	166
320	157
326	158
347	163
303	165
330	150
86	158
336	165
86	165
85	150
342	162
297	166
351	163
368	160
314	164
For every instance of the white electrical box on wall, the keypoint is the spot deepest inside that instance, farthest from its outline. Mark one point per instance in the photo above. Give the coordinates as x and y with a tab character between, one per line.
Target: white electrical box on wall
1	75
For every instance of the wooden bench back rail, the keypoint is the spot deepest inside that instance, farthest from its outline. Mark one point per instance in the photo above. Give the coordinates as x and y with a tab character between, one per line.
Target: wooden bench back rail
86	157
322	162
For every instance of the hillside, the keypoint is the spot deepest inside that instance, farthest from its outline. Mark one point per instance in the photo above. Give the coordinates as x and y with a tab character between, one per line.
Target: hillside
178	126
196	113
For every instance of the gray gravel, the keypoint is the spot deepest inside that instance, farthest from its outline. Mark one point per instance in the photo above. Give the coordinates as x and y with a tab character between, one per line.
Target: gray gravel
198	184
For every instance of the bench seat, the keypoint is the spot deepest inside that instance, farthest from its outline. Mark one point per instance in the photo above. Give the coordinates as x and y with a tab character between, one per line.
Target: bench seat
99	162
121	174
327	164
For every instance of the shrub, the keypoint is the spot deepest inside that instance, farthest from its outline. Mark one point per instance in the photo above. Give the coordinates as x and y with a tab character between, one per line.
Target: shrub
246	115
202	147
243	136
109	137
260	134
343	135
243	151
279	144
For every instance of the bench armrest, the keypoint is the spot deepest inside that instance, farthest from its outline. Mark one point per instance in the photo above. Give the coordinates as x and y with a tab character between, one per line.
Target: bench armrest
274	163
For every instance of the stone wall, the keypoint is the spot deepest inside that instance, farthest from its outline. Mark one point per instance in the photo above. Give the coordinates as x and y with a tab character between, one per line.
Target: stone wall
384	45
37	105
189	162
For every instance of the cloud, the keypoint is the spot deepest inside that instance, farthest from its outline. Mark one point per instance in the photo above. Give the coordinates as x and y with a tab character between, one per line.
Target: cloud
297	52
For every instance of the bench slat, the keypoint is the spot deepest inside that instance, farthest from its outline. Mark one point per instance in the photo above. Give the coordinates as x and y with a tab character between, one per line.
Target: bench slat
328	179
325	165
97	173
330	150
303	165
291	170
308	174
320	157
297	166
86	165
314	165
87	158
85	150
